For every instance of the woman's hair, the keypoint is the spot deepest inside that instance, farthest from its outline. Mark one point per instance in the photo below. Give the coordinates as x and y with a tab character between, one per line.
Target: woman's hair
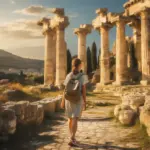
75	64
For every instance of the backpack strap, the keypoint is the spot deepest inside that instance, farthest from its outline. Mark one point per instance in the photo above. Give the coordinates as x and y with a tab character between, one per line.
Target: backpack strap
79	76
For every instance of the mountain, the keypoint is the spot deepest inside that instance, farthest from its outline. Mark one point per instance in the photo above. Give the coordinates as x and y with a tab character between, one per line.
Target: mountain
9	60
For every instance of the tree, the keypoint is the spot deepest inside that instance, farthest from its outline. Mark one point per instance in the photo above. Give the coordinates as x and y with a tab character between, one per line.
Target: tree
69	60
89	63
134	64
94	56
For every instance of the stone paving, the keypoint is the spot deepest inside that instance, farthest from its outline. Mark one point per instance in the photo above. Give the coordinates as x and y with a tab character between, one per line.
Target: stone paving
97	130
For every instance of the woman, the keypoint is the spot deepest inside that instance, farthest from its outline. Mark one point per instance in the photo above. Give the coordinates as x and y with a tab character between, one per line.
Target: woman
74	111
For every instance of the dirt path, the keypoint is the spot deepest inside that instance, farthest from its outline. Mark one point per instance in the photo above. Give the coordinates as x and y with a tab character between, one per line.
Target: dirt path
98	130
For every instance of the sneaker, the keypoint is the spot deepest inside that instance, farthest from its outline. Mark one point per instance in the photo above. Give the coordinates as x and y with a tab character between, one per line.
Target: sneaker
73	143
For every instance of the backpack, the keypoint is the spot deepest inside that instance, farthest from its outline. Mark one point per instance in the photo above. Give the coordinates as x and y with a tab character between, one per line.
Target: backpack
72	90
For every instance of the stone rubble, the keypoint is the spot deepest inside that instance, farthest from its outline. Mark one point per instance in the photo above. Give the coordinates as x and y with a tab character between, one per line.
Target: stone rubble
26	113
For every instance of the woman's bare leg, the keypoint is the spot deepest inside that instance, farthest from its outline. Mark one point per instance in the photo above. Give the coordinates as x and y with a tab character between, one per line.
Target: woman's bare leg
70	126
74	127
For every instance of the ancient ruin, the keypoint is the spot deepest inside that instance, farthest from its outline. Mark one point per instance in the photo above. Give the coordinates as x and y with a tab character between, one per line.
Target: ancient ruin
55	47
136	15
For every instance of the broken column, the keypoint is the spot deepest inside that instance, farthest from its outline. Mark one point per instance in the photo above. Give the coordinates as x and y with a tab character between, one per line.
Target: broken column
49	69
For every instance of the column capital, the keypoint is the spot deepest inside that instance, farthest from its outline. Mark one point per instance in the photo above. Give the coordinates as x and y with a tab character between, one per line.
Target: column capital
45	23
102	11
60	22
58	11
106	26
84	29
145	13
116	18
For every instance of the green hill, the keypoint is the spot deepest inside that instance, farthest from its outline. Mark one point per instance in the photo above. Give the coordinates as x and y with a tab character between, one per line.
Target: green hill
8	60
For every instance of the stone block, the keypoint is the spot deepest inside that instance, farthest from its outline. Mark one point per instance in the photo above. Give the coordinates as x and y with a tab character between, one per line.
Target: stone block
20	110
145	118
49	107
40	114
57	104
8	121
30	113
127	117
144	82
117	110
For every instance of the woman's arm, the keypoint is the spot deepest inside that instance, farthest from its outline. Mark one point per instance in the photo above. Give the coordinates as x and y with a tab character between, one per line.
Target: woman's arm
84	95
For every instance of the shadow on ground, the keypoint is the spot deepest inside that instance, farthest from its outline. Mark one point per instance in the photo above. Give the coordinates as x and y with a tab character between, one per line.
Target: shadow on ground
106	146
30	137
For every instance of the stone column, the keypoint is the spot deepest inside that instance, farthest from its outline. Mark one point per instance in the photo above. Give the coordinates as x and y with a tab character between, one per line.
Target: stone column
49	75
61	56
65	48
59	23
54	53
82	33
121	53
145	47
82	50
49	67
104	59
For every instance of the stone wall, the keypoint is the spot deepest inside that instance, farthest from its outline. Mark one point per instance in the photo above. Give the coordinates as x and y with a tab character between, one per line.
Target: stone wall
13	114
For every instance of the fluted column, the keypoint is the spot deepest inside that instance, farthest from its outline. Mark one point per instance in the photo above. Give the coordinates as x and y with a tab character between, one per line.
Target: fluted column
82	50
49	75
145	47
60	59
54	53
104	59
82	34
121	53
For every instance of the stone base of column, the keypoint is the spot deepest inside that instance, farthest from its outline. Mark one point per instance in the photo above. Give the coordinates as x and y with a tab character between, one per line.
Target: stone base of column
121	83
99	86
144	82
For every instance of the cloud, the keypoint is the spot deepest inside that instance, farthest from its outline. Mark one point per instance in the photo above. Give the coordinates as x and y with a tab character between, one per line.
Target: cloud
21	29
73	15
13	2
34	10
39	10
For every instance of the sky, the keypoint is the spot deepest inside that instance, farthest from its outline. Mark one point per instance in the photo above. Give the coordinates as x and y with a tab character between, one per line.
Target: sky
20	35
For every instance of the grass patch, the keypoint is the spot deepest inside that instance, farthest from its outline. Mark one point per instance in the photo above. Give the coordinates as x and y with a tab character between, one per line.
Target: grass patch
138	135
91	94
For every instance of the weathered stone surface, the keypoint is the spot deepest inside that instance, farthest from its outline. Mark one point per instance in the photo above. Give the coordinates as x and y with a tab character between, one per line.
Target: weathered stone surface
134	101
20	110
127	117
145	117
125	114
49	107
117	110
8	121
39	114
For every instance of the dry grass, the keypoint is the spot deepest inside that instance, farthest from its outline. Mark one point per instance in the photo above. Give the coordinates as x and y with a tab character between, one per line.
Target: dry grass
15	86
3	98
138	135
